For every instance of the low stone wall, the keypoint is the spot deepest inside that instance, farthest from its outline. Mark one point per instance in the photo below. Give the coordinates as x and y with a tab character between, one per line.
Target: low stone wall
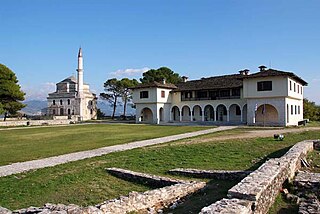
229	206
212	174
262	186
34	122
151	201
153	180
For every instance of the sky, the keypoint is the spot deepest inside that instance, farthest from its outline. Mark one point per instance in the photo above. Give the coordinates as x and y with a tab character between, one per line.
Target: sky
39	40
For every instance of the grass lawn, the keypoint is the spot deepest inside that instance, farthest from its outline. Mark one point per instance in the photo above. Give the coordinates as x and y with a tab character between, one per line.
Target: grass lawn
87	183
34	143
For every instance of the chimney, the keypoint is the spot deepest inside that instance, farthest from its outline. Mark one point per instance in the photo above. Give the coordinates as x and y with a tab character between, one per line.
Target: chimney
262	67
184	79
241	72
164	81
246	71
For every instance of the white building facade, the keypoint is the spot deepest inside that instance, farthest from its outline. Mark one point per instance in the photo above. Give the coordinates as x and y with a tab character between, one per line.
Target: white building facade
72	98
266	98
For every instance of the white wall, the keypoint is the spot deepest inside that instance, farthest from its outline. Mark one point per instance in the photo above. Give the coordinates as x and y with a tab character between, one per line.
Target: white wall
294	117
296	92
279	87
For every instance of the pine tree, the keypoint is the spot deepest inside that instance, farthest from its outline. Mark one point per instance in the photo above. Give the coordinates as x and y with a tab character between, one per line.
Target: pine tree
10	92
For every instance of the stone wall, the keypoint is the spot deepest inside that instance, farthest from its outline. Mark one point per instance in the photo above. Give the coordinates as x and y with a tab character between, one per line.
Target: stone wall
211	174
262	186
150	201
34	122
152	180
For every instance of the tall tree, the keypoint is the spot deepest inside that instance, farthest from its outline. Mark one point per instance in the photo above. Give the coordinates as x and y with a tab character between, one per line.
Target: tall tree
113	89
10	92
126	85
160	74
311	110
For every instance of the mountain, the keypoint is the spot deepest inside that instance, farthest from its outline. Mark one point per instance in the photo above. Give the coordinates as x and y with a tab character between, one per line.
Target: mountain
34	107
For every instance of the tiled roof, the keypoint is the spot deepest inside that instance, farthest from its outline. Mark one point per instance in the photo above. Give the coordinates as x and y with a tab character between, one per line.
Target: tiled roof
218	82
272	72
155	84
70	79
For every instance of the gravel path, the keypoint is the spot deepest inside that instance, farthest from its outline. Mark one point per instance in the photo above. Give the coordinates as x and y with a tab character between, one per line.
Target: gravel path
61	159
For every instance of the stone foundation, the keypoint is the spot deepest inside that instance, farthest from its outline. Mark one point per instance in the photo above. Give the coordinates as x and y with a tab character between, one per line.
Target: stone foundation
152	180
262	186
212	174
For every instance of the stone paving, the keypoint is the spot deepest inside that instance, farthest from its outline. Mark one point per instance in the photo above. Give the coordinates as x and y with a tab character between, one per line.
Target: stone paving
61	159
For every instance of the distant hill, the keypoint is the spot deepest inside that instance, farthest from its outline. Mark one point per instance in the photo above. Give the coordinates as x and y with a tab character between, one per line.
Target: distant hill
34	107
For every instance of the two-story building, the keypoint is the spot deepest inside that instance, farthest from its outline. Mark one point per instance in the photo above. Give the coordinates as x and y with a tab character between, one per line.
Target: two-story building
269	97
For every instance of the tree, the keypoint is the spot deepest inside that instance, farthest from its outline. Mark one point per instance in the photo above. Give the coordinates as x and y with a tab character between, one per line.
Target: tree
113	89
159	74
126	85
311	110
100	114
10	92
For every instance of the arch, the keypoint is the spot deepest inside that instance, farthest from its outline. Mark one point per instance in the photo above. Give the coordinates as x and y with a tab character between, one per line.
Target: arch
244	113
221	113
267	114
197	113
61	102
146	115
186	113
61	112
175	113
161	114
68	101
208	113
69	111
235	113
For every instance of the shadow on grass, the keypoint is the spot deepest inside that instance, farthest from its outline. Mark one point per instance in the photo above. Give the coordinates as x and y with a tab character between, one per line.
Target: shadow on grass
213	191
275	154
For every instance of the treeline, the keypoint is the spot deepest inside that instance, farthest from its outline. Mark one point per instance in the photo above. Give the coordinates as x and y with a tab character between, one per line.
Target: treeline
311	111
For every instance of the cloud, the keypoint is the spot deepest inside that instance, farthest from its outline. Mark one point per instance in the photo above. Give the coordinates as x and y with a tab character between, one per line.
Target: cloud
129	72
39	92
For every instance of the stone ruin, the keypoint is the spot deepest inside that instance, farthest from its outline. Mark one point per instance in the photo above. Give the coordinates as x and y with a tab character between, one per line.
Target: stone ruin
254	194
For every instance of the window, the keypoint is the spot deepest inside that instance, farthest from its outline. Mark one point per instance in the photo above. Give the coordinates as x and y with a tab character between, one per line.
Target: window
264	86
298	109
294	87
290	83
225	93
163	94
301	90
68	102
144	94
291	109
54	112
295	109
298	89
188	94
236	92
238	111
91	111
53	102
61	102
69	111
202	94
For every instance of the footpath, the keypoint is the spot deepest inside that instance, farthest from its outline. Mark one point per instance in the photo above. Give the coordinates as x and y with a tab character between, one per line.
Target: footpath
61	159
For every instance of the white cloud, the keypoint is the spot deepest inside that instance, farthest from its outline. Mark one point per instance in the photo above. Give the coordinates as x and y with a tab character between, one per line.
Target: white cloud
129	72
39	92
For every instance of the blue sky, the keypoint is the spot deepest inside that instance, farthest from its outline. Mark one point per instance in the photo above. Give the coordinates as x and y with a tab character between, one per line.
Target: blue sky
39	39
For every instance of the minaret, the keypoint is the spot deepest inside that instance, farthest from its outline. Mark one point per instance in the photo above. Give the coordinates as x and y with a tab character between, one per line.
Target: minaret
80	84
80	73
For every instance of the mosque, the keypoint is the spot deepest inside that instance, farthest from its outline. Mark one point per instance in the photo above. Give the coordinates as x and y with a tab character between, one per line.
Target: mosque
73	98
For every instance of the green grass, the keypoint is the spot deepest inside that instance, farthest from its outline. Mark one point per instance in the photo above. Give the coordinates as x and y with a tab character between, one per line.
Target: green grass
86	182
282	206
34	143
